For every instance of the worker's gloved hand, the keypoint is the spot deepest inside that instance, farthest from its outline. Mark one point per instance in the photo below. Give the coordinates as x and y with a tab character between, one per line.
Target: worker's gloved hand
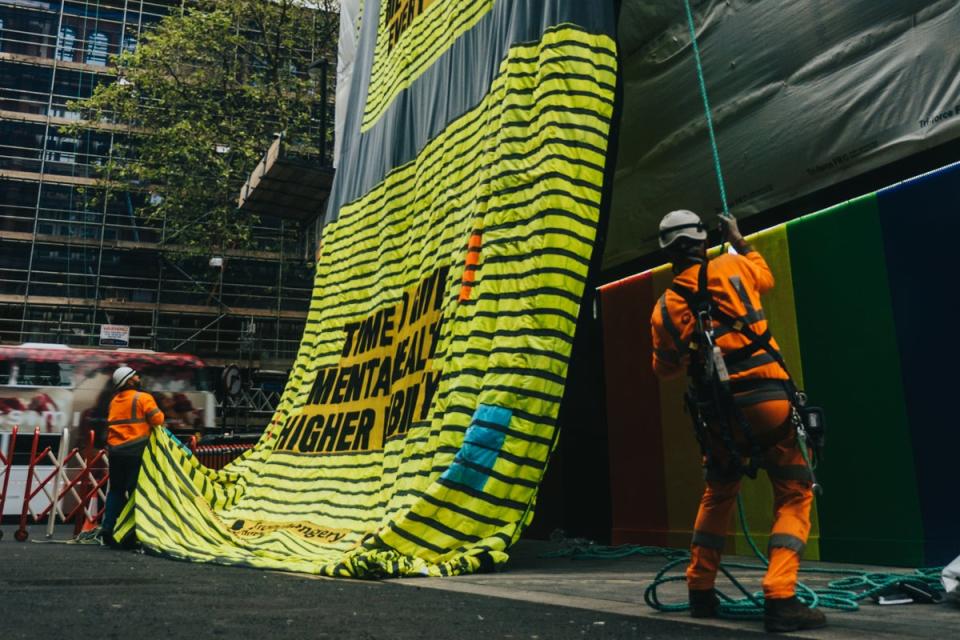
731	232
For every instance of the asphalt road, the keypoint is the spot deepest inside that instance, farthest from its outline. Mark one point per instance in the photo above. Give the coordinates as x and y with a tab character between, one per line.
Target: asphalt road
65	591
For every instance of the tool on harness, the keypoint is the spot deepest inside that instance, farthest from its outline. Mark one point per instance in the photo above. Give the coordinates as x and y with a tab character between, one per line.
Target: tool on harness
814	424
710	398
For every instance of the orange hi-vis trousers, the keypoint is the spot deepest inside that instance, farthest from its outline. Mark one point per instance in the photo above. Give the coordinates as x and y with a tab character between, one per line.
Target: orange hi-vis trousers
793	498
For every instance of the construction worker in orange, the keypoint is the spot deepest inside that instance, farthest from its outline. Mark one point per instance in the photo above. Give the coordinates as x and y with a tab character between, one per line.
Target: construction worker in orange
133	414
711	325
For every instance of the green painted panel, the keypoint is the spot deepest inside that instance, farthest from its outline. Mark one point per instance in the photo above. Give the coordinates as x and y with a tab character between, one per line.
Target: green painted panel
870	510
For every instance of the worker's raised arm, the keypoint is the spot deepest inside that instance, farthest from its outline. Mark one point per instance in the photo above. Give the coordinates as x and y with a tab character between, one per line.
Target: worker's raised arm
761	270
150	410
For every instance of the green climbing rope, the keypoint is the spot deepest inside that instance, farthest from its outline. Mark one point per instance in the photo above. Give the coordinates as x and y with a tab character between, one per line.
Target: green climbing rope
844	594
706	108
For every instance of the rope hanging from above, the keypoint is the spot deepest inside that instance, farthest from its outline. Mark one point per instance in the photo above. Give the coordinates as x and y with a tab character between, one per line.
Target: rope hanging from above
706	109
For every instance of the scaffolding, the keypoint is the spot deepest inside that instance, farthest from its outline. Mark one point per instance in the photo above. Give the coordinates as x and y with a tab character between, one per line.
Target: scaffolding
68	266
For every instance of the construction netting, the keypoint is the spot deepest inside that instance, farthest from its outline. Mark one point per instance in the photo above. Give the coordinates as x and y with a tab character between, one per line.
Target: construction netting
422	407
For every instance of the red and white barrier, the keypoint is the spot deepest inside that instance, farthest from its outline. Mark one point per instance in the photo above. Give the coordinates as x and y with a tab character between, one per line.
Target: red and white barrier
69	480
6	464
74	481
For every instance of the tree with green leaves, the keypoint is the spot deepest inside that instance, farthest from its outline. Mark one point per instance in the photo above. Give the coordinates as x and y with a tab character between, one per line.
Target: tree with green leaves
201	98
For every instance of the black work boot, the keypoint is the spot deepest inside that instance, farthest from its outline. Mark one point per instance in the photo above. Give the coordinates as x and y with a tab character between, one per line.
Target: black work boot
704	603
789	614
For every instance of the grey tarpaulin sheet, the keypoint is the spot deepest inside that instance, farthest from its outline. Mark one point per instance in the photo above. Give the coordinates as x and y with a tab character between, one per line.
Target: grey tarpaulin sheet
806	93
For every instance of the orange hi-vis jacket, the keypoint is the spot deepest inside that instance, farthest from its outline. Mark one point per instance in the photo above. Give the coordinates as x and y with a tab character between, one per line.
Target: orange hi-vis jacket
132	414
735	282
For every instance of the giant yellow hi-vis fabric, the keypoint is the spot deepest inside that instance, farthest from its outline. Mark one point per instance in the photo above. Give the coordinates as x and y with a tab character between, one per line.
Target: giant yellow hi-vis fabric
422	407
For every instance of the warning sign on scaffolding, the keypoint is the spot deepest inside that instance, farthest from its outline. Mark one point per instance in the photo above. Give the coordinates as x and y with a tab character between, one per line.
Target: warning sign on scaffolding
114	335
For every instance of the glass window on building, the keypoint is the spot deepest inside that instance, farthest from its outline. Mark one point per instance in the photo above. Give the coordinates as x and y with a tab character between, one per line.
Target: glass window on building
129	44
65	44
62	149
97	48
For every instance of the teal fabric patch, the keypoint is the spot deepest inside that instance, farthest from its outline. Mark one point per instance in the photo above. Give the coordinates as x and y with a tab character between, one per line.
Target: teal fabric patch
481	447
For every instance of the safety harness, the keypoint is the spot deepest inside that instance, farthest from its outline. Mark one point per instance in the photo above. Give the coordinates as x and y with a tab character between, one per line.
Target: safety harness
710	397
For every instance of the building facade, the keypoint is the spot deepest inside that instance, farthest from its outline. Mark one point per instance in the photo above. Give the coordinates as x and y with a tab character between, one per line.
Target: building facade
71	263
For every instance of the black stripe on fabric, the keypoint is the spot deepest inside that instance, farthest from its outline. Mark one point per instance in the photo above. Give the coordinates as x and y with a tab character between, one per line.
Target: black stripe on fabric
450	532
531	133
458	509
536	217
520	371
530	351
316	487
545	96
519	313
539	253
540	232
524	392
514	333
403	436
496	475
520	461
519	435
414	457
544	78
541	112
275	500
482	496
549	421
578	280
305	510
358	465
345	479
529	293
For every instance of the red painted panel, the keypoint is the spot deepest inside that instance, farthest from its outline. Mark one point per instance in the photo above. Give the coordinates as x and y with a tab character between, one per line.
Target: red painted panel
638	494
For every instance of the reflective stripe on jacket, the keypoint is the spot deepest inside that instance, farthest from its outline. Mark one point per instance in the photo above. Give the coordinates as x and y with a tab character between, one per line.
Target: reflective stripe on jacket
132	413
736	283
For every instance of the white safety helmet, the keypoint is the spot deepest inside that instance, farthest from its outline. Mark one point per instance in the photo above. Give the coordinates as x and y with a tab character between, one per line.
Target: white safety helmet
681	224
121	376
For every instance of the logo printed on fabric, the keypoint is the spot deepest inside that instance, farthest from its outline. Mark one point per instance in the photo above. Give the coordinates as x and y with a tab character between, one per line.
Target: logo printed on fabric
245	528
306	530
383	383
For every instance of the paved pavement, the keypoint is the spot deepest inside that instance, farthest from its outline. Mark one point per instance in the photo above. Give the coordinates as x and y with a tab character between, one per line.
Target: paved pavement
56	590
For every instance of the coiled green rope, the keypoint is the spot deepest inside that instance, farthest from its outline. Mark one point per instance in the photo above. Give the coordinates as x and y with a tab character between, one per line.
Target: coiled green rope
843	594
